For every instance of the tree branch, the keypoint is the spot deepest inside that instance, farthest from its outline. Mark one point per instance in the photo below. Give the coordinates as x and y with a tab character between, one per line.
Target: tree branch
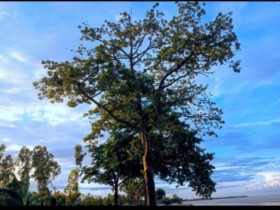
174	70
109	111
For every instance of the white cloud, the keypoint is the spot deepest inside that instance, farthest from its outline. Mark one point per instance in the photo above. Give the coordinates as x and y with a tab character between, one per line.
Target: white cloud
18	56
11	113
267	180
16	147
13	147
271	179
55	114
6	140
12	73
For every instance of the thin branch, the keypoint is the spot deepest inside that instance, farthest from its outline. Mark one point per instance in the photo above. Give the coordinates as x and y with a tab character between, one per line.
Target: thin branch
165	86
116	59
140	55
140	43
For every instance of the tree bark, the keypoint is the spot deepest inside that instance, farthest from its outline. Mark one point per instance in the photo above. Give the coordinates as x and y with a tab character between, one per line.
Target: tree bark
148	172
116	197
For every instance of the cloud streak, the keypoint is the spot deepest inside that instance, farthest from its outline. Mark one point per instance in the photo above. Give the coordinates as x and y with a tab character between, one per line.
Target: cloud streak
257	123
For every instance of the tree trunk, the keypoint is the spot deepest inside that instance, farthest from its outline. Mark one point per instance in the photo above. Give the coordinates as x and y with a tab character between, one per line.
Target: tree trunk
145	196
148	172
136	200
116	197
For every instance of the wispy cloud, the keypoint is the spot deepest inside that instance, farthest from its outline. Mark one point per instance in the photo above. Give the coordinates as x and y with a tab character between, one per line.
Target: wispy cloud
257	123
16	147
6	140
4	14
18	56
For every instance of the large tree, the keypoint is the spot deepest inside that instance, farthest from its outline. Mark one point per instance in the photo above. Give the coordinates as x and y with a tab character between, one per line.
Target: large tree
141	76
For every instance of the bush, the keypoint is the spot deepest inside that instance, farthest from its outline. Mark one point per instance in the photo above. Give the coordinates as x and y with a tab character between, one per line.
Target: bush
166	201
176	199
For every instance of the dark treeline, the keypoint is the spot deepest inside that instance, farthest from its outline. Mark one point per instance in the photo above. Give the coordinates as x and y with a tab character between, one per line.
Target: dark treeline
14	184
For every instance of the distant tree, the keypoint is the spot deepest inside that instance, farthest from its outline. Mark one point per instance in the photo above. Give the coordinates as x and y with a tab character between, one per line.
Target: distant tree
2	150
46	169
134	189
24	162
142	75
92	201
176	199
160	194
113	162
7	167
79	155
72	188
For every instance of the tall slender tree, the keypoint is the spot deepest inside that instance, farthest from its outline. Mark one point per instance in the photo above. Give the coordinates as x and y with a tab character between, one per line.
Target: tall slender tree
7	167
141	76
24	162
46	169
72	188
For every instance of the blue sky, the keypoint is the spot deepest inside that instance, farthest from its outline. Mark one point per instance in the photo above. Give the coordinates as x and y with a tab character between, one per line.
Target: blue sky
247	157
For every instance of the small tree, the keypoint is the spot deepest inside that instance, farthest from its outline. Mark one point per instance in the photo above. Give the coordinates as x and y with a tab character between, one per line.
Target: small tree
134	189
176	199
112	162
